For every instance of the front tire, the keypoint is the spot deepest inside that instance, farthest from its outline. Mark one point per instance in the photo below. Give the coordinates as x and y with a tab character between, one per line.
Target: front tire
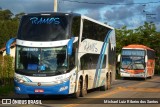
109	82
77	94
84	90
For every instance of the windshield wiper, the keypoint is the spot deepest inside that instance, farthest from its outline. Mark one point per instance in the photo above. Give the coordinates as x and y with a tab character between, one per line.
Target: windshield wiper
129	65
59	72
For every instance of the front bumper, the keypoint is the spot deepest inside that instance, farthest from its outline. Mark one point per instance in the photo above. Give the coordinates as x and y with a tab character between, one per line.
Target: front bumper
125	74
58	89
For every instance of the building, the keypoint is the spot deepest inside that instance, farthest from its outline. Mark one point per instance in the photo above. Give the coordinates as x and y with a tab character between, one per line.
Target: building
12	50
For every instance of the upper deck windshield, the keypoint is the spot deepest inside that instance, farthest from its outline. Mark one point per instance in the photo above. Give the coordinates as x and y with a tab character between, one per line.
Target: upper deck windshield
31	61
133	59
44	28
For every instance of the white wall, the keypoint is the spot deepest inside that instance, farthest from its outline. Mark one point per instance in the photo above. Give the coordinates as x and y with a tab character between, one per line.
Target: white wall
12	52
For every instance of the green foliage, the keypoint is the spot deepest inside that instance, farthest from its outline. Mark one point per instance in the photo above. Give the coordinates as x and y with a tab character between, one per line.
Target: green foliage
8	26
8	65
5	14
1	62
19	15
6	74
7	90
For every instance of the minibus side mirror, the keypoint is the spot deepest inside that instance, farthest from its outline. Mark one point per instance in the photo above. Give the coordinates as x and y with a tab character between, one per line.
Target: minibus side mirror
146	59
119	58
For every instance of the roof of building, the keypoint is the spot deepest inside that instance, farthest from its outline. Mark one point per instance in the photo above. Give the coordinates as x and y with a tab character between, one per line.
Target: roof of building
4	48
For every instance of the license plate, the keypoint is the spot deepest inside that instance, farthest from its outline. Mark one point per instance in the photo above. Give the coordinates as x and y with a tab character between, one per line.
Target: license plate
38	90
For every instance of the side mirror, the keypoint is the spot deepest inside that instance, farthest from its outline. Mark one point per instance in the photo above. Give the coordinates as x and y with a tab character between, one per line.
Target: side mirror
119	58
146	59
8	45
69	46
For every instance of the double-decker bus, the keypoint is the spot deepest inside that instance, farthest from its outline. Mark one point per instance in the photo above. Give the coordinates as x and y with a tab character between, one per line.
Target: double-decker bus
137	61
63	53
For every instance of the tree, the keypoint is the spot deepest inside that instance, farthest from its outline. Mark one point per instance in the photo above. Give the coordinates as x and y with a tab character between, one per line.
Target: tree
19	15
8	26
5	14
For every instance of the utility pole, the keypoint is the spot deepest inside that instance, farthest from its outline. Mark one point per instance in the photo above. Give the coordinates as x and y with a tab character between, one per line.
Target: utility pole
55	5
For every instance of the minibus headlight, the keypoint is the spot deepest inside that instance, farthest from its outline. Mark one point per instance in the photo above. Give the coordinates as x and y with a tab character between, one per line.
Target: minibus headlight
122	70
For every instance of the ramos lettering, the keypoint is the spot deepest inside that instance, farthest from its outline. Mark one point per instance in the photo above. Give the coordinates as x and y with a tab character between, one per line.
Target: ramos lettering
53	20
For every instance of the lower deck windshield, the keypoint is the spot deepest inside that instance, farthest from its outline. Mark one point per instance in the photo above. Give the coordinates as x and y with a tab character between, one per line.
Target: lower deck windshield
133	62
41	60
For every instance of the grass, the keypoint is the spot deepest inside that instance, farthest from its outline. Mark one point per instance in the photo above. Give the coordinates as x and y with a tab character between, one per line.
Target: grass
6	90
118	76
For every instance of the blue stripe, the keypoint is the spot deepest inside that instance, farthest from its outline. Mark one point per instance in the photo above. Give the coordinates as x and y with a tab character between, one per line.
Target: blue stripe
103	81
100	60
70	45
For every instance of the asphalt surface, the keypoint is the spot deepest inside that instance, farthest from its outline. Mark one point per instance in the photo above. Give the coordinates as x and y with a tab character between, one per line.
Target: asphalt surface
130	92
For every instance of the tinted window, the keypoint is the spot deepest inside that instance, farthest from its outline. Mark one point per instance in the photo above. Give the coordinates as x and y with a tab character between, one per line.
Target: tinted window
43	28
75	26
89	61
151	54
94	31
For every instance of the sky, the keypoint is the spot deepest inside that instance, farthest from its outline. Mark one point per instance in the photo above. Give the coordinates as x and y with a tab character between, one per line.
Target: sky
116	13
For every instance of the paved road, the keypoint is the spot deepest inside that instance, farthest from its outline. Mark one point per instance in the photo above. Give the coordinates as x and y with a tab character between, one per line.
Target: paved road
130	88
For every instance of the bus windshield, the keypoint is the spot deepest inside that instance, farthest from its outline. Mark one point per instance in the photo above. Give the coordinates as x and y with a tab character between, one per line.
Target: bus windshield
41	60
44	28
132	62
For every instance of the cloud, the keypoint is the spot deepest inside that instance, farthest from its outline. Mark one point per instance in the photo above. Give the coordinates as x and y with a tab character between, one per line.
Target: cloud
27	6
94	13
120	13
157	15
125	15
75	6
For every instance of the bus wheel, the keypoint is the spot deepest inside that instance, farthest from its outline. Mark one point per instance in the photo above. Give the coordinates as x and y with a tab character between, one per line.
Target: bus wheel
145	78
108	82
77	94
150	77
84	89
124	78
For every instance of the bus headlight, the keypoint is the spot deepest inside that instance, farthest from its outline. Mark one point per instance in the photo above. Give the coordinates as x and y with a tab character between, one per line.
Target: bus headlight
62	81
21	79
